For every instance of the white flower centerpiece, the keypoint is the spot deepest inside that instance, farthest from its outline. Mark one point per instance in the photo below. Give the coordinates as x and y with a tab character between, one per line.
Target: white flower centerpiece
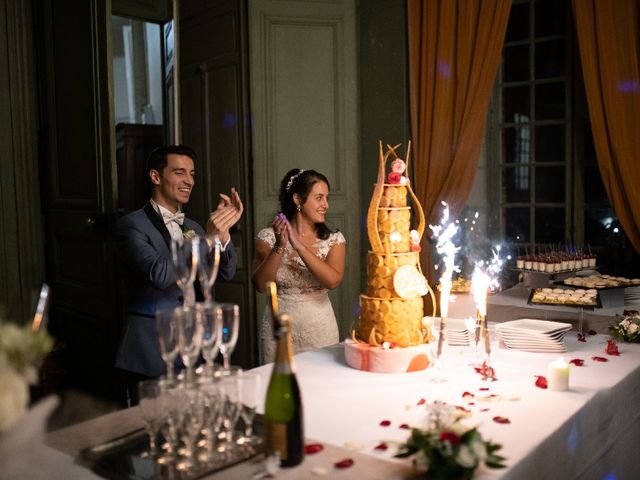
21	352
447	448
627	329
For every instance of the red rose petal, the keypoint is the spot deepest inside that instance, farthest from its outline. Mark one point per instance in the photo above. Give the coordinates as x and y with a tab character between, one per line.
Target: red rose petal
578	362
467	395
592	332
385	423
471	403
612	348
599	359
345	463
462	409
311	448
541	382
581	338
381	446
405	426
422	401
484	409
503	420
484	389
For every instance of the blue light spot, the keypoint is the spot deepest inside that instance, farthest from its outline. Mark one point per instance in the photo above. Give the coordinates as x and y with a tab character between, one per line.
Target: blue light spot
444	69
229	120
610	476
572	440
225	330
628	86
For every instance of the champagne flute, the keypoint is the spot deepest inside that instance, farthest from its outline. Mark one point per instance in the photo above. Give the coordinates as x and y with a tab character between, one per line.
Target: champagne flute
229	388
208	264
211	335
229	314
151	409
167	332
189	338
185	255
248	390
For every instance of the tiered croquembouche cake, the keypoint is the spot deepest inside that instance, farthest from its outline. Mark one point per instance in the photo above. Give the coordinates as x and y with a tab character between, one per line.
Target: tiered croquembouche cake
390	336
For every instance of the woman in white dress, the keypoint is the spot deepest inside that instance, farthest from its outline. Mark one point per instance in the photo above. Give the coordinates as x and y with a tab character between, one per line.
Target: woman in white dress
305	259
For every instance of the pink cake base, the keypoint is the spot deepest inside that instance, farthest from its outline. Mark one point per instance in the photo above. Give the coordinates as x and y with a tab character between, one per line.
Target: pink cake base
363	356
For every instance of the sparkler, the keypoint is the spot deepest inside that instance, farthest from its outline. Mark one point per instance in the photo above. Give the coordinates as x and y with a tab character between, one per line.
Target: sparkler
485	278
445	233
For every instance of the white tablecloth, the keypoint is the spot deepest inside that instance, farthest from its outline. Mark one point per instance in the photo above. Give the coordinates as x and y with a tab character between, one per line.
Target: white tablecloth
591	431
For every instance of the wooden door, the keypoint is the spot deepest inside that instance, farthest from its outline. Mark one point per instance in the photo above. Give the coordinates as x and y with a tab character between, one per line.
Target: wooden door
304	101
79	182
215	122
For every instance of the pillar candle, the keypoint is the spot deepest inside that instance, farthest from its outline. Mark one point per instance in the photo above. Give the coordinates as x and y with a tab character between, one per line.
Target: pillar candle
558	375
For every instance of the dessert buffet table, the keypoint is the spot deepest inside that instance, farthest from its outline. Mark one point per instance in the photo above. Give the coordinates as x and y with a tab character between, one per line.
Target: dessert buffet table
512	303
591	431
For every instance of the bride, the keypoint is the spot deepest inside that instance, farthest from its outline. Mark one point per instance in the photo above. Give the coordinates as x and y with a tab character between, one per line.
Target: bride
305	259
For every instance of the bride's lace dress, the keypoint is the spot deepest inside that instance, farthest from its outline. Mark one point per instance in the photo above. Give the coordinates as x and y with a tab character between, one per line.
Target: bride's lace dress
301	296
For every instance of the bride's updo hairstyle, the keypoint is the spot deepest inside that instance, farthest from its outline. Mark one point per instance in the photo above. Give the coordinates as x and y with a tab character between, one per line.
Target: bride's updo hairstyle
301	181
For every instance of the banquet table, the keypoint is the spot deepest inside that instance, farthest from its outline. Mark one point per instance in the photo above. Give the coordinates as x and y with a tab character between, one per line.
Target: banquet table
589	432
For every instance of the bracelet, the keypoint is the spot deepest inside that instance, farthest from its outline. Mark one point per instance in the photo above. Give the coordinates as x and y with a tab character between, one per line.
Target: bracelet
278	249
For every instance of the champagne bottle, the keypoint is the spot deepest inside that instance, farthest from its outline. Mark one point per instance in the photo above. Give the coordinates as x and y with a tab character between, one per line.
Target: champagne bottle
283	406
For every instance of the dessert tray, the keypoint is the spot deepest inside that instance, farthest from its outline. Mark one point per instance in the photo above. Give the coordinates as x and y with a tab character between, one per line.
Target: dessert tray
567	297
599	282
534	335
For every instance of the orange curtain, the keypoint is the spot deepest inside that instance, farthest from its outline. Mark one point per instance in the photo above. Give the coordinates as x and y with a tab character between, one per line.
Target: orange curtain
609	41
455	48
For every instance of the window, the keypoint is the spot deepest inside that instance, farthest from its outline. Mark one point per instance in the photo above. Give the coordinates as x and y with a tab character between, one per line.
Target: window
539	145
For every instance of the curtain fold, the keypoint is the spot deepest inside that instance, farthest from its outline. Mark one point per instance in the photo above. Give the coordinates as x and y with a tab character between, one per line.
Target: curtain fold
609	42
455	48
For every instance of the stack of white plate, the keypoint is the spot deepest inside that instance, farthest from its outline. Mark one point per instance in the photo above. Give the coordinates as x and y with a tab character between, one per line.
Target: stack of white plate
534	335
632	295
455	328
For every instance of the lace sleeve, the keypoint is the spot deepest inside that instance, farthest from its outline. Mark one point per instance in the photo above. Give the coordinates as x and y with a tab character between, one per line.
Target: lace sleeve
267	236
336	238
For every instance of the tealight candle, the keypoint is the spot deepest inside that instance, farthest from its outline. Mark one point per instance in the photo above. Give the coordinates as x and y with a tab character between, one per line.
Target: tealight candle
558	375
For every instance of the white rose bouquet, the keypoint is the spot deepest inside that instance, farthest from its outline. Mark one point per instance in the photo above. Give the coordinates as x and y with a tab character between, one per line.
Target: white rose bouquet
21	351
448	449
627	329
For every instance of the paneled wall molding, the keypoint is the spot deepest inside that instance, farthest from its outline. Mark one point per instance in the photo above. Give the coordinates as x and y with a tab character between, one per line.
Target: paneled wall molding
21	238
304	98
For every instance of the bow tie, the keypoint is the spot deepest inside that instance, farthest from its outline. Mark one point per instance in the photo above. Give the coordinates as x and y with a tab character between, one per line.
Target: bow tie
177	217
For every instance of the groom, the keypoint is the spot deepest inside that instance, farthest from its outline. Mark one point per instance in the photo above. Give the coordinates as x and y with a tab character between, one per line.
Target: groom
144	245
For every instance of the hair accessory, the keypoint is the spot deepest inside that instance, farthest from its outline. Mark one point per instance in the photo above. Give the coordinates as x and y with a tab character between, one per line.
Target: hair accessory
293	179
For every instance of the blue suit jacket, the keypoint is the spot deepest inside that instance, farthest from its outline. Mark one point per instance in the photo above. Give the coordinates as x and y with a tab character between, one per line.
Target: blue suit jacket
144	247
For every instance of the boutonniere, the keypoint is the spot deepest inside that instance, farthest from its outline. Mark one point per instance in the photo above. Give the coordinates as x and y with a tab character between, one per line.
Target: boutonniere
188	233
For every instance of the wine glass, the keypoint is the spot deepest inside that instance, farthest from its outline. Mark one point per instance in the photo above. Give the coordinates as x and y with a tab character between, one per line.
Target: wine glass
185	256
229	389
211	335
189	338
208	263
150	393
229	314
167	332
248	390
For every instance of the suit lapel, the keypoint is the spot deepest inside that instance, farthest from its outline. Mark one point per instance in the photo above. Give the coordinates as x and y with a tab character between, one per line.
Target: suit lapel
156	221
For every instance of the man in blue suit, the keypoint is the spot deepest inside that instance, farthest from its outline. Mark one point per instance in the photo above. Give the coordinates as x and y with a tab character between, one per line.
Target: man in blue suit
144	245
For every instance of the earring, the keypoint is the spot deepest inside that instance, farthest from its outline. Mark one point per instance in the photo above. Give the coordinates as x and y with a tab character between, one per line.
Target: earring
299	208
